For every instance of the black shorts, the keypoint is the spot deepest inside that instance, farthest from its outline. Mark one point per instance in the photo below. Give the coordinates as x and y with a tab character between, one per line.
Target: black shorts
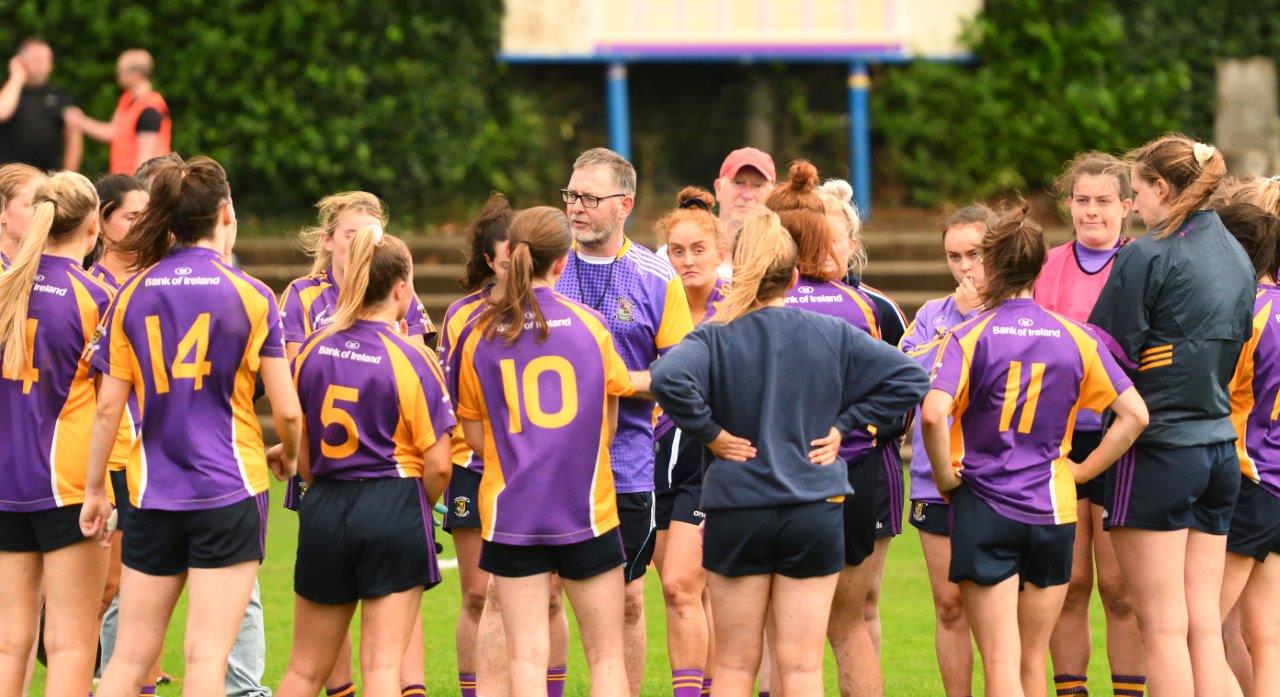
930	517
1082	444
861	508
987	548
40	531
577	561
1255	524
120	490
797	541
889	493
167	543
462	498
637	513
677	479
1174	488
364	539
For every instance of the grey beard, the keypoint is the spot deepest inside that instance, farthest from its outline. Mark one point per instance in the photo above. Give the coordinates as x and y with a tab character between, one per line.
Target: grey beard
595	236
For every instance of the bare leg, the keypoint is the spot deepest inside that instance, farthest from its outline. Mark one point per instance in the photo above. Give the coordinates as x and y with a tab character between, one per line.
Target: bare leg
216	601
597	603
558	627
871	613
1124	641
1206	555
74	577
1153	565
739	607
856	659
386	624
474	583
20	574
951	639
524	619
1260	622
319	630
635	634
412	669
799	608
993	615
341	674
491	648
1070	642
146	604
1038	610
683	585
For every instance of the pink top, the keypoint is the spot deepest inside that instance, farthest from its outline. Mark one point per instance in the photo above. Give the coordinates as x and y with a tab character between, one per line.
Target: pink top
1066	287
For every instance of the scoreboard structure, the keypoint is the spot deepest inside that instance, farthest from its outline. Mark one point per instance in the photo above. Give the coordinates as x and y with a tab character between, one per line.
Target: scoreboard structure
854	33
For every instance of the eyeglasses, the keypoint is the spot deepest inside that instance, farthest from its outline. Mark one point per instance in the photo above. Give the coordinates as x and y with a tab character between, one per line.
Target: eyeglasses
588	201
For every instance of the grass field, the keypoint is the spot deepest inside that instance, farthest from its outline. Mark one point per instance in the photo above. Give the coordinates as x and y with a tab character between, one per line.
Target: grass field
906	617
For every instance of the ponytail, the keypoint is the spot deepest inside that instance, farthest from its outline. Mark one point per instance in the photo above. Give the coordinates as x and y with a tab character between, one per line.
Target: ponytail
332	208
1192	170
1013	253
693	205
186	199
489	229
539	238
63	204
375	262
764	262
802	213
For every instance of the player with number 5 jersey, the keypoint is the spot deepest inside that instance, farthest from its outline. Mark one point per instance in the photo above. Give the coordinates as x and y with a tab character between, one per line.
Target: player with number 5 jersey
537	397
1007	388
188	335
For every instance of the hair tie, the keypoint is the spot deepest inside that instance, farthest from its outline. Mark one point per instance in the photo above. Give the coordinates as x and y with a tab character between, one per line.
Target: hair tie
1275	177
1203	153
695	203
377	233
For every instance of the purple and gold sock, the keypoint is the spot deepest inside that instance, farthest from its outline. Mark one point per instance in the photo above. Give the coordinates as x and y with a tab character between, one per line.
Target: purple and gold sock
706	685
555	681
1128	685
413	691
348	690
686	682
467	683
1067	684
148	690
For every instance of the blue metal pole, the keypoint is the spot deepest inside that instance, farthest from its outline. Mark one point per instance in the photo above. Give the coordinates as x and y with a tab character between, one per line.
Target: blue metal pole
860	136
619	110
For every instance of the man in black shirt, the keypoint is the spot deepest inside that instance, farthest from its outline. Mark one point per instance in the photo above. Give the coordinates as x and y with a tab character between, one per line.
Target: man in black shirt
32	129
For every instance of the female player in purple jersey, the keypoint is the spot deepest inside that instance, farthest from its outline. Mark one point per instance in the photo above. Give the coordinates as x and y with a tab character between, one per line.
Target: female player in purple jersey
188	334
1179	304
1249	586
365	528
1007	387
695	243
962	234
18	184
805	216
49	308
538	383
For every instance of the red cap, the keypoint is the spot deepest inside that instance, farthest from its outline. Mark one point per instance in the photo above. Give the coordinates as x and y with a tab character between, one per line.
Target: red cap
748	157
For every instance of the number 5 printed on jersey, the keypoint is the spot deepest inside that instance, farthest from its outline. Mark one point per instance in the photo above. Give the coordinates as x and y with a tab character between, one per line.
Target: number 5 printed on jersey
1012	387
523	396
194	343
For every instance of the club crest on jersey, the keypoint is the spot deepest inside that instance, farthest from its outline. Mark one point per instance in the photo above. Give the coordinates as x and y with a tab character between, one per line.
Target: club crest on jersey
461	506
626	310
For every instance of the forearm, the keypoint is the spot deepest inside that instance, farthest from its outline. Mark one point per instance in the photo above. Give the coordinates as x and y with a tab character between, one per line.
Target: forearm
102	438
72	149
98	130
1117	441
937	445
9	96
641	380
148	146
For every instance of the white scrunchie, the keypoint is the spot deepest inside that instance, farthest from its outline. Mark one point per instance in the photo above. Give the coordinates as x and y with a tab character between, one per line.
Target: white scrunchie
377	233
1203	152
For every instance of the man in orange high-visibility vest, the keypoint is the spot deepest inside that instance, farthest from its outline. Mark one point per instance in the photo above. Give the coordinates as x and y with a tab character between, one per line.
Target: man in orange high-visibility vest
140	128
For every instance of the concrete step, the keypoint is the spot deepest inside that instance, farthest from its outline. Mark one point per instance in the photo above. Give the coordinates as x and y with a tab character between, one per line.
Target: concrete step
428	278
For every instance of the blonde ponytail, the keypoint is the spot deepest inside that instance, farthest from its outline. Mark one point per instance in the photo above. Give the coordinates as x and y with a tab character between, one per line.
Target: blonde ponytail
764	262
375	262
63	203
332	209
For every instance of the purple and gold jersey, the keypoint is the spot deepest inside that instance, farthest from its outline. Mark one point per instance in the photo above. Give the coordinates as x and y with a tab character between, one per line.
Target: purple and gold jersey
49	407
644	307
547	476
374	402
1255	394
130	419
1019	374
844	302
189	334
662	423
457	322
309	303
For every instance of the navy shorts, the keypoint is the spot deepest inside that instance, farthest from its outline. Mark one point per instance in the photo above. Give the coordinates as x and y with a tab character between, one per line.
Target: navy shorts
862	508
889	492
1173	488
40	531
988	548
678	479
931	517
1083	443
364	539
462	498
167	543
576	561
797	541
1255	524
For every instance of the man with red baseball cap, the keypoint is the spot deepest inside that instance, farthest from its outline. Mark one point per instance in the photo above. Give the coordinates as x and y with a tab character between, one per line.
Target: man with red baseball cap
747	177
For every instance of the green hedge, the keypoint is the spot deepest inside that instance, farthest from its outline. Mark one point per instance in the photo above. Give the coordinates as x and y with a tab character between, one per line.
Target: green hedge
1054	77
301	98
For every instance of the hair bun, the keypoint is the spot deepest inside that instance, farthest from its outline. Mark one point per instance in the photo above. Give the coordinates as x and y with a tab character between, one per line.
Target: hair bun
803	175
695	197
839	188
